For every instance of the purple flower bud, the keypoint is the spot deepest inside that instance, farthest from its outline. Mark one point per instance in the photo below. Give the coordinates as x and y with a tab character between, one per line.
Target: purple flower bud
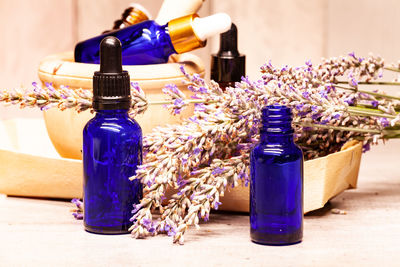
194	119
146	222
135	85
216	204
203	90
306	95
78	215
50	86
200	107
349	100
217	171
366	147
172	231
323	94
353	82
384	121
246	79
78	203
314	108
299	106
136	208
196	151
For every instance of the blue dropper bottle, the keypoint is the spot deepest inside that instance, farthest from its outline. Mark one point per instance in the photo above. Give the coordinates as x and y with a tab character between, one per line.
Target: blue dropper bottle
276	190
150	43
112	148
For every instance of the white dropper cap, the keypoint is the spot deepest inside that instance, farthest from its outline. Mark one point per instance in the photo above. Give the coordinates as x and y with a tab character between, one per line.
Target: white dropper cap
172	9
211	25
191	32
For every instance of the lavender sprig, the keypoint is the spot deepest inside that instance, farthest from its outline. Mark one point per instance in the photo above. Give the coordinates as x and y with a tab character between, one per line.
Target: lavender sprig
48	97
64	97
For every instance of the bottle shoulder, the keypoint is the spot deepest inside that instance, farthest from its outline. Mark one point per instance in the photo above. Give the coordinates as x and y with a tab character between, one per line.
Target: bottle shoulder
277	150
116	125
147	28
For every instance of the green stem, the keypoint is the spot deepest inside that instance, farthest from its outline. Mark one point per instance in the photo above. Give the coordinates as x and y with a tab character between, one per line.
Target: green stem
392	69
162	102
368	92
369	112
372	83
338	128
385	133
345	87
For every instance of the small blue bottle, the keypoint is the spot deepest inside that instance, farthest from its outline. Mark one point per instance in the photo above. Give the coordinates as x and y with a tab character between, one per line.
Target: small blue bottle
150	43
276	190
112	148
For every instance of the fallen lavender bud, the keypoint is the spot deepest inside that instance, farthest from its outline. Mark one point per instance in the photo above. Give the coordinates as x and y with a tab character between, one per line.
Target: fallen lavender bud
78	212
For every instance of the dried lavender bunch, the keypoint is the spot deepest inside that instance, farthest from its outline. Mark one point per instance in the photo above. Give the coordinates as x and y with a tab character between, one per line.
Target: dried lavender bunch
80	99
208	152
309	91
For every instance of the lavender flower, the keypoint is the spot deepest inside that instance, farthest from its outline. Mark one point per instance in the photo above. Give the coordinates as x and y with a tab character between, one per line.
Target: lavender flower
48	97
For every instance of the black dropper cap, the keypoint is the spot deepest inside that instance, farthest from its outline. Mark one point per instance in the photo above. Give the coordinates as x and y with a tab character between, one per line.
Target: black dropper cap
228	65
111	86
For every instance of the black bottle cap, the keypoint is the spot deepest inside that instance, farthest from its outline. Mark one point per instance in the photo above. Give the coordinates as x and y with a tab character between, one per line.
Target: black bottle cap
228	65
111	85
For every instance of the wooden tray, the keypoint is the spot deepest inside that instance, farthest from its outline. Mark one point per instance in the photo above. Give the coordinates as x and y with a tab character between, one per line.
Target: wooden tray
30	166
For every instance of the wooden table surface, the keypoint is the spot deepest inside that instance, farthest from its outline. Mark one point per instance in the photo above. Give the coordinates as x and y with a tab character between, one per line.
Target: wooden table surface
37	232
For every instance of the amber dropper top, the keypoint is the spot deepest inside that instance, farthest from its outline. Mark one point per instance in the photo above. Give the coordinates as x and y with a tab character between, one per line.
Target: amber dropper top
134	14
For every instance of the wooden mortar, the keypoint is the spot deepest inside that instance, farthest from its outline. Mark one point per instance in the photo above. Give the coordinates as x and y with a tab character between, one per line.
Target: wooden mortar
65	127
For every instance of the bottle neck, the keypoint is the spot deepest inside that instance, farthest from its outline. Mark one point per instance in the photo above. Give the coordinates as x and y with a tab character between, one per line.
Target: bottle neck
276	138
276	125
112	113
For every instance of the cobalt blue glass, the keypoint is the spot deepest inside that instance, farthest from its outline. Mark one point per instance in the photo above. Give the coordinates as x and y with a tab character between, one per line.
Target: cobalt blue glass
142	43
276	190
112	150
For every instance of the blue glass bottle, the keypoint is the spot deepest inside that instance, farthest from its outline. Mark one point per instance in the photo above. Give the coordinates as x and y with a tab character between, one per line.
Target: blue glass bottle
112	148
145	43
276	190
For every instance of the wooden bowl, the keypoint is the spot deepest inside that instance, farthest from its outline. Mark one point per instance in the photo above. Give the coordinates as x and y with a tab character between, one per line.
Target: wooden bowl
65	127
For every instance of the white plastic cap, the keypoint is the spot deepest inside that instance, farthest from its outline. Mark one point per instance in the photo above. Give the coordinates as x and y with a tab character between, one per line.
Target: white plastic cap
211	25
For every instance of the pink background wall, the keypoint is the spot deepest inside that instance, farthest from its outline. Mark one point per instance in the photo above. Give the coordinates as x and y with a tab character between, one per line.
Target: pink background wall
286	31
